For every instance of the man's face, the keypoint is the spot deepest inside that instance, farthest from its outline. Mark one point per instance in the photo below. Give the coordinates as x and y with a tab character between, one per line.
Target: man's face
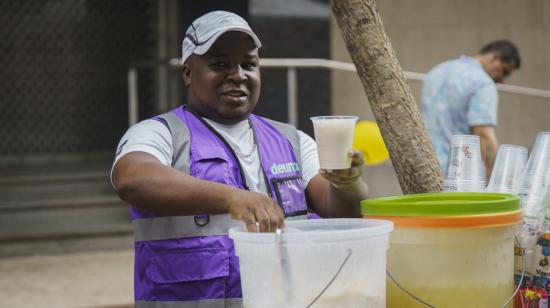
224	84
498	69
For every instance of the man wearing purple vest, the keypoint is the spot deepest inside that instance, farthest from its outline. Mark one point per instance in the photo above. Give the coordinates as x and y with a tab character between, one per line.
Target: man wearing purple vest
194	172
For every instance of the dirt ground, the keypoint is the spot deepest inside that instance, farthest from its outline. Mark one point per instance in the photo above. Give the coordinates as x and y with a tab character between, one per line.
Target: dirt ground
81	280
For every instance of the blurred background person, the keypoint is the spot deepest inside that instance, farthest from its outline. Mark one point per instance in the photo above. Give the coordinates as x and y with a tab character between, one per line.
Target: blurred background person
459	97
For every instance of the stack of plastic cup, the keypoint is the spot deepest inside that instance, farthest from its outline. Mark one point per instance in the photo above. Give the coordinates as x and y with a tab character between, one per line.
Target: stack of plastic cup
465	169
533	189
508	169
537	171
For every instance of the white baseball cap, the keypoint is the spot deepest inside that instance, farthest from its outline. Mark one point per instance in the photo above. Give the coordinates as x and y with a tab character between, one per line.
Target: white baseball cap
205	30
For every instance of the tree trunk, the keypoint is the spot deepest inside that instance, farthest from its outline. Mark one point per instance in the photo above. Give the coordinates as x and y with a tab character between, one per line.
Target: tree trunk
389	95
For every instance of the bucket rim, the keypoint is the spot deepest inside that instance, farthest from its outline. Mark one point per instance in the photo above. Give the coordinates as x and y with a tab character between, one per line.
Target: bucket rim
463	221
444	204
365	228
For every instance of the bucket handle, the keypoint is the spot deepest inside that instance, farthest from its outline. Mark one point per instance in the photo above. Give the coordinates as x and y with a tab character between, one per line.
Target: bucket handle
332	279
285	265
520	278
406	291
432	306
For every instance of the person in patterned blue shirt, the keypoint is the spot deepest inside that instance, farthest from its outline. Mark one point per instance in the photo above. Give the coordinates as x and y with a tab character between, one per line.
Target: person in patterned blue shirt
459	97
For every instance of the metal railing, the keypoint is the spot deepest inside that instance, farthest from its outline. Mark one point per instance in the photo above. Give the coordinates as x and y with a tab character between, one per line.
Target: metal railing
292	82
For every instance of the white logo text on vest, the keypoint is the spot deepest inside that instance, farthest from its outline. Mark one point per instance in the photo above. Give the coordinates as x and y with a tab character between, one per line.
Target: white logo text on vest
285	168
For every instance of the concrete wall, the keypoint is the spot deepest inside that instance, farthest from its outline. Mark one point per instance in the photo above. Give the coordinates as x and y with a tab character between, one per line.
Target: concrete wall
426	32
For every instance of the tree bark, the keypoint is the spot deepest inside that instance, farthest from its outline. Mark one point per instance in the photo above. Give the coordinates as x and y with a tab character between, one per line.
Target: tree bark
389	95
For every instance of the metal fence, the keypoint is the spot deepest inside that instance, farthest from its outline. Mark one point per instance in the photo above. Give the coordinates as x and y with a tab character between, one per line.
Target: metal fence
292	85
63	68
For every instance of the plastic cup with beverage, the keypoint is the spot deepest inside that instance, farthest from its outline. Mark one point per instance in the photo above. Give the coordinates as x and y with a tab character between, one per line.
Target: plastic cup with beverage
334	138
508	169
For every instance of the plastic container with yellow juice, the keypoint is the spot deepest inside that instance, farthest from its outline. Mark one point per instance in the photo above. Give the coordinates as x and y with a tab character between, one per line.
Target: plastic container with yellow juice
449	249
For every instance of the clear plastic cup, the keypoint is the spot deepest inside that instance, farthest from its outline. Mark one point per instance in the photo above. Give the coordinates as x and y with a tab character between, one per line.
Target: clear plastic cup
539	160
529	231
464	161
463	185
334	138
537	171
508	169
535	183
533	189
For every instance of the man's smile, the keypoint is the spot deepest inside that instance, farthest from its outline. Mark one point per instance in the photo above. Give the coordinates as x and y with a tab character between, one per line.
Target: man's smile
235	96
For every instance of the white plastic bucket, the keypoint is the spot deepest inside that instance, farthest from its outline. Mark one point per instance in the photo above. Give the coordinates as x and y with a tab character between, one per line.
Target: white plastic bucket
317	263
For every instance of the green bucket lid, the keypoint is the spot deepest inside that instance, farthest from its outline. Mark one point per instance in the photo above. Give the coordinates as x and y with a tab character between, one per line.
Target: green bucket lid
442	204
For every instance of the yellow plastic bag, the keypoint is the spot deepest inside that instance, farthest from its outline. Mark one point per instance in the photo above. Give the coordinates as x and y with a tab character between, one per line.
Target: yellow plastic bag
369	141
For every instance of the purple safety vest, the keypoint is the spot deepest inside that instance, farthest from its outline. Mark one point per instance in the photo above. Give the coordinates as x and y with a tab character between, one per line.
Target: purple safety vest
189	261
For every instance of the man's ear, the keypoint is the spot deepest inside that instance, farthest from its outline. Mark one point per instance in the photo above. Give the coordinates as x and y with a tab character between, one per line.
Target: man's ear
186	74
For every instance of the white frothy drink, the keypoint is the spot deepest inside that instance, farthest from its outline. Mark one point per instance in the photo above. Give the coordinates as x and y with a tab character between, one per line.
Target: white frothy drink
334	137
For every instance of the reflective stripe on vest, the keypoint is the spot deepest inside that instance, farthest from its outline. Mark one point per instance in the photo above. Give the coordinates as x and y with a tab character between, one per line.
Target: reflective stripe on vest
207	303
164	228
170	227
180	141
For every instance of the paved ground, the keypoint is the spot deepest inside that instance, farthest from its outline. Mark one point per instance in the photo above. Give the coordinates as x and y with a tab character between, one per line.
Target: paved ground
81	280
